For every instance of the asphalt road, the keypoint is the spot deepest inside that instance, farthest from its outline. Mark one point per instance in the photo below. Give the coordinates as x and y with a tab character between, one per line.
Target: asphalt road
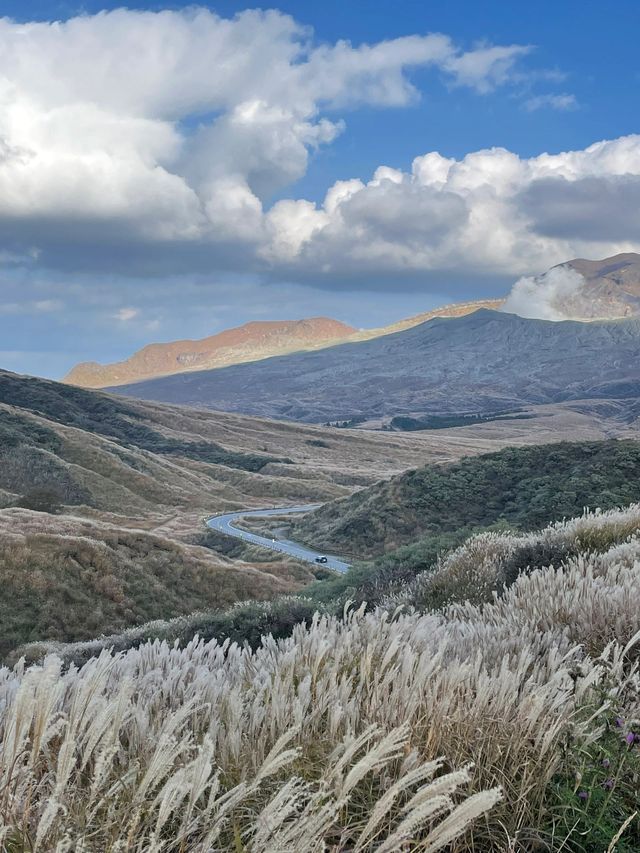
224	524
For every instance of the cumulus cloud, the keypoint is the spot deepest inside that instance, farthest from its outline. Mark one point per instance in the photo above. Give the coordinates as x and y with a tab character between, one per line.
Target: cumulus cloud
597	207
491	212
131	129
153	143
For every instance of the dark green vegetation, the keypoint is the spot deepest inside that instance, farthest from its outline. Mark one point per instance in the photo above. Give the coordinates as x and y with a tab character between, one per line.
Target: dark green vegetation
242	623
592	803
407	424
104	415
522	487
349	423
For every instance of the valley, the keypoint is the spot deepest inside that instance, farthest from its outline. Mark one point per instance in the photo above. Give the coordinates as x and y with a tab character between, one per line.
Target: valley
319	428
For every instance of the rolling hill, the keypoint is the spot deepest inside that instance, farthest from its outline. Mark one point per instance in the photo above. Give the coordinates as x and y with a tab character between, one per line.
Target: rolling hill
102	501
524	487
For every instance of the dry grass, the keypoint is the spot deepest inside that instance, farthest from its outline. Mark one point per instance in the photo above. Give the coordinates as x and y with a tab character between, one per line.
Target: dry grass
66	578
490	562
326	740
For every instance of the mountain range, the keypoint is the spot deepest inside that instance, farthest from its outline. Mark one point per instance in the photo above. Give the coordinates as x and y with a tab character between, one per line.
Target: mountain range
482	362
250	342
606	289
233	346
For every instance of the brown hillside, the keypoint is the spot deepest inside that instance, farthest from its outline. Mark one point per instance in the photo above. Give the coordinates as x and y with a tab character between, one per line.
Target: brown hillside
456	309
611	288
250	342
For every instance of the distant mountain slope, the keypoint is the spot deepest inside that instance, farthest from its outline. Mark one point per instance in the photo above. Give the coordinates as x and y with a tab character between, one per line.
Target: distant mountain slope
527	487
246	343
251	342
481	362
611	288
455	309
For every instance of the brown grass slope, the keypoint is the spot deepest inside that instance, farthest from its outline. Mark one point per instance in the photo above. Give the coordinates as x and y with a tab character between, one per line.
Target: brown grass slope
144	460
67	578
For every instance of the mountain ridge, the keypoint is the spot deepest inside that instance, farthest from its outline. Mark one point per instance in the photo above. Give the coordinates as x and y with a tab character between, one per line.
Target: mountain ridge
237	346
480	362
593	290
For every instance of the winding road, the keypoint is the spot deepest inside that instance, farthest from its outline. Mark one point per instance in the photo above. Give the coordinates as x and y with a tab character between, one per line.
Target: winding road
225	524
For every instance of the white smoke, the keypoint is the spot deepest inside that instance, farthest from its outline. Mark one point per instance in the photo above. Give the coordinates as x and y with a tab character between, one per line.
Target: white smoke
555	295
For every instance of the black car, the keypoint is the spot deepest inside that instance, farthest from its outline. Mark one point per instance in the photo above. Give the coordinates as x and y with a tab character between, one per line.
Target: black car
321	560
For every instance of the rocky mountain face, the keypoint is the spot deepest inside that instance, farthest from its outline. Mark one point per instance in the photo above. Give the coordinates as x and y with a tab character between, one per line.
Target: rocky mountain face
580	290
611	287
481	362
245	343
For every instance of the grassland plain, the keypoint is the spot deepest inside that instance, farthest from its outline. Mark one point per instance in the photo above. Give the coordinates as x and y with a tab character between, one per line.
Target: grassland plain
508	723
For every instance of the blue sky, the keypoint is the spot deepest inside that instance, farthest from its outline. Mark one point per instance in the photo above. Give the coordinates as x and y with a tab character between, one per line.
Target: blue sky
226	219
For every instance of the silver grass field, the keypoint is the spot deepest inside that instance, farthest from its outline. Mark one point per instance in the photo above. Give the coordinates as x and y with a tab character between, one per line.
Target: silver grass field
400	729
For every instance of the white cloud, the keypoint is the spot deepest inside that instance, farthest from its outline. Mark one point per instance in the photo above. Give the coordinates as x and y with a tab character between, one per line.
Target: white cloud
124	315
149	142
491	212
562	102
487	66
40	306
46	306
175	126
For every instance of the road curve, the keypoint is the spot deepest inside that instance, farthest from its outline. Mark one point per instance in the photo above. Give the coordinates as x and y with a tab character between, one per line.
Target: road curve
224	524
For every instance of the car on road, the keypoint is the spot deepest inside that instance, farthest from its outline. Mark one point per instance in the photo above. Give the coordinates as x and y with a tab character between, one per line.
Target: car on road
321	559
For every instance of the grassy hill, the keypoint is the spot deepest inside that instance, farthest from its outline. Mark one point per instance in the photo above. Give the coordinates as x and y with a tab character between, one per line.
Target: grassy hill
67	578
102	502
524	487
137	459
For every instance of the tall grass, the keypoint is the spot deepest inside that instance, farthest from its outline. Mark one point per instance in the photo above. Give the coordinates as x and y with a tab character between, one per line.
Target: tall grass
489	562
471	728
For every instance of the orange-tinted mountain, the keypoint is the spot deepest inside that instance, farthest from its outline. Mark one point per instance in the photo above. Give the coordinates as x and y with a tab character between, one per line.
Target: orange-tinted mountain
250	342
